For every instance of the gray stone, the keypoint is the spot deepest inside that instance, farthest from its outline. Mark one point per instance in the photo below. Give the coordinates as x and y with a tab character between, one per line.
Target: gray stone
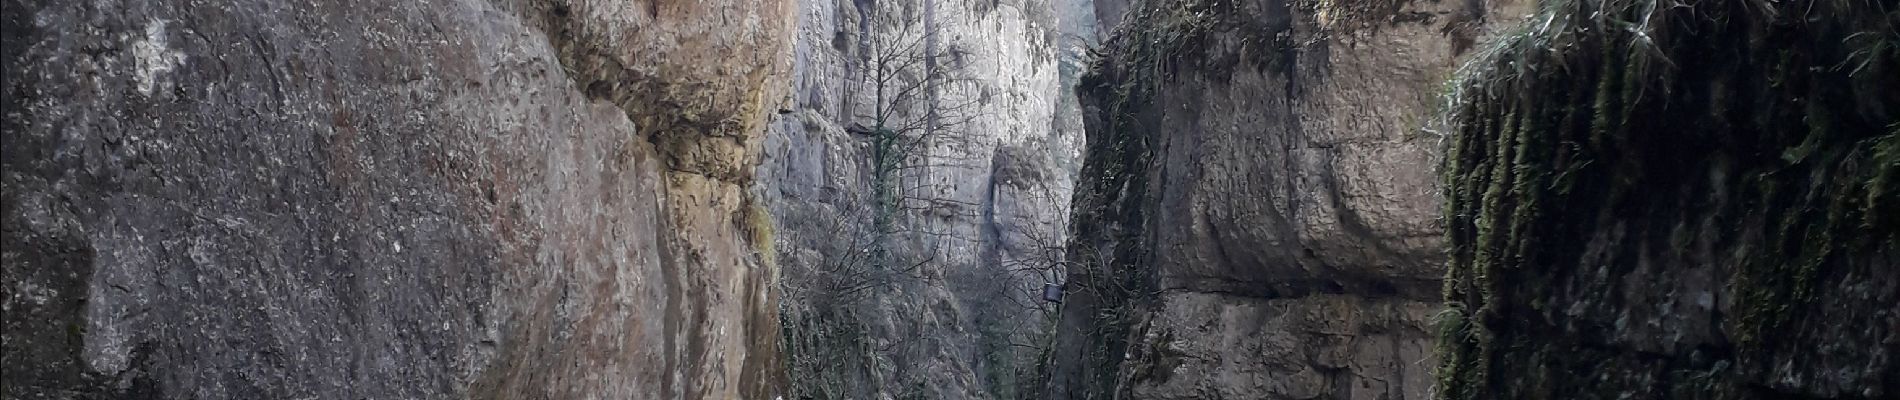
432	199
985	200
1259	190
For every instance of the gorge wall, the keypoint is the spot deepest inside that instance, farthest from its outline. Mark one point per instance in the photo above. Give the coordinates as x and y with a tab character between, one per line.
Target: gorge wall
1256	216
1684	202
919	179
863	199
419	199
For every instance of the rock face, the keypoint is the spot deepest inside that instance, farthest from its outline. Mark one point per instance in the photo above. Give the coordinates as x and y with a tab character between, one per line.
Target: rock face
1256	217
431	199
934	294
1700	207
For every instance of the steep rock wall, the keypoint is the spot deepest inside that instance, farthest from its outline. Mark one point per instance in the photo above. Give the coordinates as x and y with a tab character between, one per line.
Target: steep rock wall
1686	202
433	199
953	312
1256	216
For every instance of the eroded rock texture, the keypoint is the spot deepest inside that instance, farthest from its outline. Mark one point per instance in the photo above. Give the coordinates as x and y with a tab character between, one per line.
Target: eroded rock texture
427	199
942	300
1256	217
1686	202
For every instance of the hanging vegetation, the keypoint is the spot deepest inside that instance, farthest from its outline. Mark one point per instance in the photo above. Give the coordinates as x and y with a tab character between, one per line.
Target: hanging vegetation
1676	199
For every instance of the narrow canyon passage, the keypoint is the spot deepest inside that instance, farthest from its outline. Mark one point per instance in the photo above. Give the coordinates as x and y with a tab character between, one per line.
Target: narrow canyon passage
950	199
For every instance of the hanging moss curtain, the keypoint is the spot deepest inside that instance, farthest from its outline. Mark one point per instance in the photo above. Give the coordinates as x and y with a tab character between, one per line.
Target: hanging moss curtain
1737	159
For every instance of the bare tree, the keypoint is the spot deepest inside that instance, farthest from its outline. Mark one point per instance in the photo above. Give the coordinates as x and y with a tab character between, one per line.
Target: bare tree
909	94
905	73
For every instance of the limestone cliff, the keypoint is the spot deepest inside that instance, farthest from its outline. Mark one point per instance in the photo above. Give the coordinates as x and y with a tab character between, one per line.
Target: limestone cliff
1256	217
919	180
427	199
1693	201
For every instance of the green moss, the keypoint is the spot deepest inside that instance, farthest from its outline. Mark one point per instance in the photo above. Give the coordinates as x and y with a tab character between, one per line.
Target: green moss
1882	190
1596	141
756	222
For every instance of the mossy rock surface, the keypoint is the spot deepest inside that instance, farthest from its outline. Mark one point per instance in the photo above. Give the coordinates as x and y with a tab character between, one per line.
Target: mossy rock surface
1666	200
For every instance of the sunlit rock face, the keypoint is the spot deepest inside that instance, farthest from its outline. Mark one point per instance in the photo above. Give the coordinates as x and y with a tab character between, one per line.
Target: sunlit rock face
982	195
434	199
1257	216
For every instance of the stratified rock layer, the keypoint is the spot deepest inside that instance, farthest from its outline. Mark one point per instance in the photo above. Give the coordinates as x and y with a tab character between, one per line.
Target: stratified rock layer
1691	201
1256	217
432	199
